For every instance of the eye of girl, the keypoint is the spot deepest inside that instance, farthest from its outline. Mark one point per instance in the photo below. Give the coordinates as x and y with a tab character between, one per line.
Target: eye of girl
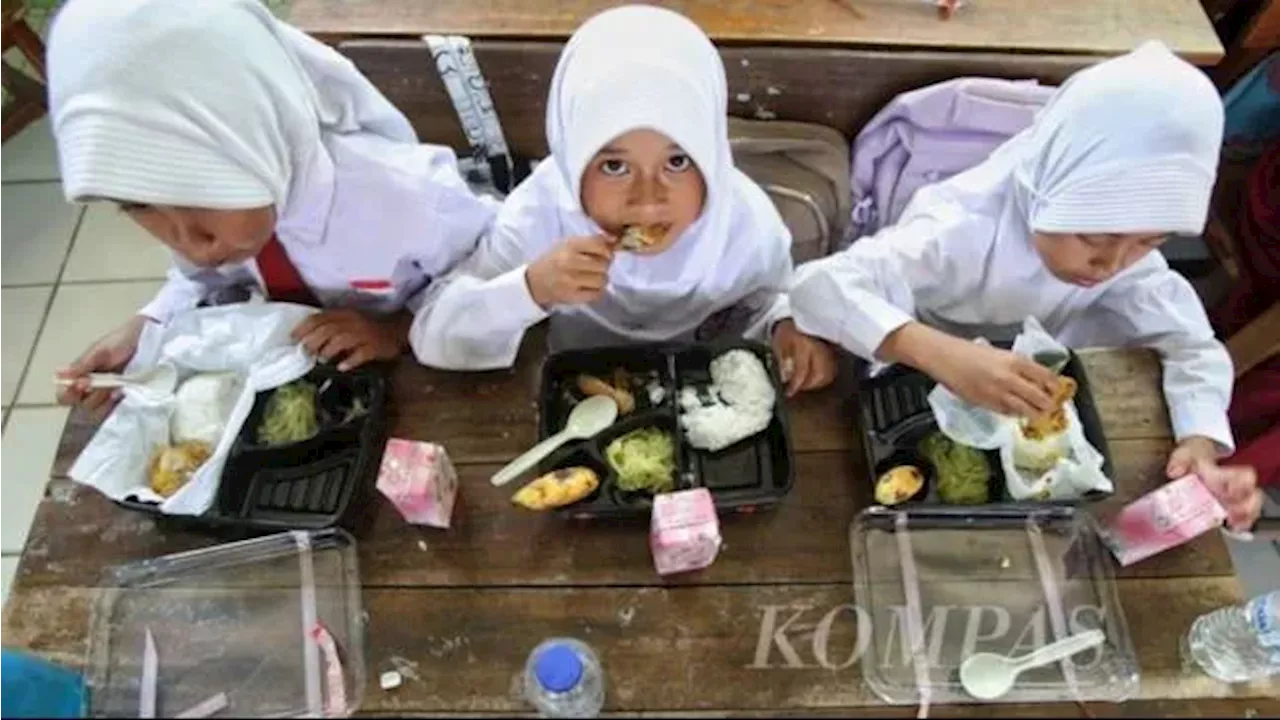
613	167
679	163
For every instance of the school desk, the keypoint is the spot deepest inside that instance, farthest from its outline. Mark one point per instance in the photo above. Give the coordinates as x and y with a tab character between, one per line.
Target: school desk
469	603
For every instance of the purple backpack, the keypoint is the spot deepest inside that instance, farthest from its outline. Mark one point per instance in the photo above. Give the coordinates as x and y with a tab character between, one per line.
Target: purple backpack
927	135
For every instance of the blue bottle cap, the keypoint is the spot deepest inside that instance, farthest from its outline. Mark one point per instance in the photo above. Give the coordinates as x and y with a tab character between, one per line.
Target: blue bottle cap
558	668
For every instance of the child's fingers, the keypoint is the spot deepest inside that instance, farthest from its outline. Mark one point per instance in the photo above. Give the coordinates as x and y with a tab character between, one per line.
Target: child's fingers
1034	400
597	247
803	369
1013	405
360	356
1242	516
97	399
339	344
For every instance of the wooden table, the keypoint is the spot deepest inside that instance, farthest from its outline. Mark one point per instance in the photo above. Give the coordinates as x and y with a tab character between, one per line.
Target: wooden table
739	638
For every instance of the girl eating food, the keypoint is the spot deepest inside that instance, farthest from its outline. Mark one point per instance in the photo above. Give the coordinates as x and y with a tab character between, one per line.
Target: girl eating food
638	227
1060	223
263	160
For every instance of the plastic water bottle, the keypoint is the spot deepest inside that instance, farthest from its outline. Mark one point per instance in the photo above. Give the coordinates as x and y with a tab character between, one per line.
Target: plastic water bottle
36	688
563	679
1239	643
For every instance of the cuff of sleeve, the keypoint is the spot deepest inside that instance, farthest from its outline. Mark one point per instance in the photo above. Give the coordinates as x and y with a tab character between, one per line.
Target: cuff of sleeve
159	310
1204	419
866	329
780	310
511	296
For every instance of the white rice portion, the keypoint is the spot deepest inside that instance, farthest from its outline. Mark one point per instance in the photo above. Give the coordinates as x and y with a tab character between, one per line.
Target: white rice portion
743	404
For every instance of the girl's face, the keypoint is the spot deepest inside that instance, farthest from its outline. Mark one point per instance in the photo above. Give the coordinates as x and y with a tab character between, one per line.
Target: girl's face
1087	260
207	238
642	178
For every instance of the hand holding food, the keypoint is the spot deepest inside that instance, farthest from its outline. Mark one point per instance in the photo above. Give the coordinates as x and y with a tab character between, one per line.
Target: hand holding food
109	354
1236	487
996	379
354	337
1041	441
557	489
636	238
575	272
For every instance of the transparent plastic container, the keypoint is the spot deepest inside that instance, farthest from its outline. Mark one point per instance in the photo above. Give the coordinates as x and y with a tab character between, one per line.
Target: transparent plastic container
1003	579
232	619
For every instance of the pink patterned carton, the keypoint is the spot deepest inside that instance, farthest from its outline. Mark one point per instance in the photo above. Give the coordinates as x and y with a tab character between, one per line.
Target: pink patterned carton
419	480
684	533
1166	517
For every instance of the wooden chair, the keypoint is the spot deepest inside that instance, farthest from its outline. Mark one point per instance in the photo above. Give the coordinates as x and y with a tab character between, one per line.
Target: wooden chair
27	101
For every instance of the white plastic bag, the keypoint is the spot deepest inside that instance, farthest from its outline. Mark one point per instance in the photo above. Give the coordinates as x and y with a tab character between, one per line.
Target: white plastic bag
249	339
1078	473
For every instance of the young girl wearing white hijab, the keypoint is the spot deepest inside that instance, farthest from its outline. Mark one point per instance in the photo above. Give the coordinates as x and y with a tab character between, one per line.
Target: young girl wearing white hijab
1059	223
636	124
262	159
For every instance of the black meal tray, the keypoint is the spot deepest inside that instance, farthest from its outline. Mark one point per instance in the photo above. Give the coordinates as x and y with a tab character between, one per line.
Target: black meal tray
317	483
755	473
894	416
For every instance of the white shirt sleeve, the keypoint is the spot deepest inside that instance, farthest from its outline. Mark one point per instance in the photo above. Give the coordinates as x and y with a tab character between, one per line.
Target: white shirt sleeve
770	303
857	297
179	293
1161	310
475	318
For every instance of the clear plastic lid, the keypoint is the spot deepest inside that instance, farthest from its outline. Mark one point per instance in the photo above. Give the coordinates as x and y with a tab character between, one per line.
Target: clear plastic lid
237	620
940	584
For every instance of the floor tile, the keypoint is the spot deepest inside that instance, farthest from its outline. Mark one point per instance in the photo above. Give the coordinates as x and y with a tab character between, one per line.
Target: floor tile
31	154
30	444
37	231
10	566
79	316
23	313
110	246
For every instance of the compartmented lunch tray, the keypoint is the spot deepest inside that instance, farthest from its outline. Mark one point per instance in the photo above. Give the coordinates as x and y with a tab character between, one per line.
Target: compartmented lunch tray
316	483
754	473
894	416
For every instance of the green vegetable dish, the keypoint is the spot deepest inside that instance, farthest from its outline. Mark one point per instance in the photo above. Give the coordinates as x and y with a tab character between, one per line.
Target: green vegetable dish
645	460
963	472
290	416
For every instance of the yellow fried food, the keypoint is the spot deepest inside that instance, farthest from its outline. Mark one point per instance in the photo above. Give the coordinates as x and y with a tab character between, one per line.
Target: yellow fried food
591	385
557	489
899	485
1055	422
638	237
171	466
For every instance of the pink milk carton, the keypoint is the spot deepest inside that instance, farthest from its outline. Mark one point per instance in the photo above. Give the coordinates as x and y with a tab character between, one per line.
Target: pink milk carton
419	480
1175	513
684	533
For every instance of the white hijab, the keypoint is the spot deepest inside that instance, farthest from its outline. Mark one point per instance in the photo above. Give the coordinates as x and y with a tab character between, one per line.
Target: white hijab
1128	145
645	67
201	103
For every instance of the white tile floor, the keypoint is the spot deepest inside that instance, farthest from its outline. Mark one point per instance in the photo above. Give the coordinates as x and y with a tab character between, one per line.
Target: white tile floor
69	273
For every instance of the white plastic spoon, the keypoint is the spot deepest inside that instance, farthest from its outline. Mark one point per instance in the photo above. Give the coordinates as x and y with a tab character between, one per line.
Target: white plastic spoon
987	676
588	418
159	380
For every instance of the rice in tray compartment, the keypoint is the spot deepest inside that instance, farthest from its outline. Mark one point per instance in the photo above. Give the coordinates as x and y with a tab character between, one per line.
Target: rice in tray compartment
738	403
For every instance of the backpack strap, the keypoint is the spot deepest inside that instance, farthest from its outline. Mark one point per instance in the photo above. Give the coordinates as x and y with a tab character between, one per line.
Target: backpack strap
469	94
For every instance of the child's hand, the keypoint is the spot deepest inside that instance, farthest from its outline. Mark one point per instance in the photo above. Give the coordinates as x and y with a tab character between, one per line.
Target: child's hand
1236	487
354	337
995	379
110	354
575	272
807	363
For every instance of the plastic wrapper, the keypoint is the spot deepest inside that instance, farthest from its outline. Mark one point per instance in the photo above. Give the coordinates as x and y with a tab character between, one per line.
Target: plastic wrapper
1078	473
250	340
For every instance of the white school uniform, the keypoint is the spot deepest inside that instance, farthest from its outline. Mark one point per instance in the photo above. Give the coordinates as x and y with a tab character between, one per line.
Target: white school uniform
1129	145
627	68
216	104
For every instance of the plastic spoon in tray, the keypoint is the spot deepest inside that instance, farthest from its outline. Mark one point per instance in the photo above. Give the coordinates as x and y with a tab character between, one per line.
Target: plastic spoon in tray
589	418
987	676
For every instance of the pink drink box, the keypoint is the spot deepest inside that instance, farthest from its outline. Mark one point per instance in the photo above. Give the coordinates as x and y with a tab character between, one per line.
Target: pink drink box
419	480
684	533
1164	518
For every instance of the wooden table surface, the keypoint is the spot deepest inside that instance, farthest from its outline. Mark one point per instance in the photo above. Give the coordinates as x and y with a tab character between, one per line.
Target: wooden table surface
1096	27
761	631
